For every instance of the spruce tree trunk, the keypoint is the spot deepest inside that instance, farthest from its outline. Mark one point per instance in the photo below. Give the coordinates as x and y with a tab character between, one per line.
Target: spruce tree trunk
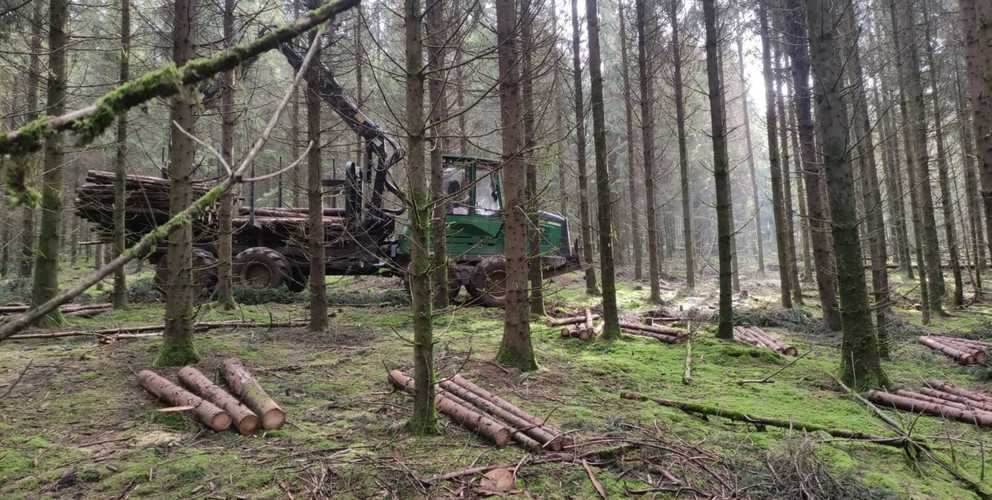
534	261
870	192
436	34
774	168
792	268
893	181
225	244
759	242
28	236
424	419
679	97
294	132
315	205
818	209
580	147
721	171
611	327
646	26
628	105
177	338
515	348
45	283
860	365
915	127
119	296
966	140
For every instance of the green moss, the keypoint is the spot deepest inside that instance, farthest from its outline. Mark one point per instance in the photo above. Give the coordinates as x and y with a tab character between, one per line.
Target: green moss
123	97
177	354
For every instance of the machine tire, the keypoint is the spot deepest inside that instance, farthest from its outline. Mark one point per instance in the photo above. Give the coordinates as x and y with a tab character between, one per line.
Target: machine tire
488	283
204	272
261	268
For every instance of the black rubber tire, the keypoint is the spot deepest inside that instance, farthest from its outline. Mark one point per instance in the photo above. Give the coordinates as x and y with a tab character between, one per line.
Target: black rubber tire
260	268
204	273
488	284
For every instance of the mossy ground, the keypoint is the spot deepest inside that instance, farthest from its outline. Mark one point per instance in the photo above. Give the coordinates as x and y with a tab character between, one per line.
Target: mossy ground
78	408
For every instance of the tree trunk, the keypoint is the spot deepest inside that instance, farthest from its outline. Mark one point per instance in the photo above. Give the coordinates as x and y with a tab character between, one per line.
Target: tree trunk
646	27
860	364
915	127
611	328
818	209
792	265
628	105
315	204
28	236
687	235
967	143
534	261
721	171
774	168
759	242
119	295
177	339
580	147
225	244
515	348
436	34
893	181
294	131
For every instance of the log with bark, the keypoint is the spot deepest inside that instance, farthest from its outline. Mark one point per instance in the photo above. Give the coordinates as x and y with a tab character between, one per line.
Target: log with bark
476	421
204	411
944	409
510	407
146	331
244	419
950	388
665	334
82	310
571	320
244	385
755	336
964	351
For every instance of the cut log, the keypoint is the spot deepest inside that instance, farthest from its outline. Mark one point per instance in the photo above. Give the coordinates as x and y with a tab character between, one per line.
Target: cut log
977	417
510	407
245	420
473	420
960	391
204	411
758	338
962	353
898	442
947	396
542	437
668	339
663	330
244	385
570	320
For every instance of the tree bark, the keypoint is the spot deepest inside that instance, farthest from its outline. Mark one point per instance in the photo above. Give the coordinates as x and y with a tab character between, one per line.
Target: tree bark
515	348
436	34
646	27
860	362
225	244
294	132
611	329
580	146
774	168
721	171
635	216
28	236
677	87
205	411
759	242
119	295
315	204
792	265
424	419
244	385
893	180
244	419
45	284
534	261
818	209
177	340
967	143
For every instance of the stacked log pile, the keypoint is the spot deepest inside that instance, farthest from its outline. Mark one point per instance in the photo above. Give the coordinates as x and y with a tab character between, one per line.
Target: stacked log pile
486	414
212	405
755	336
290	222
664	334
964	351
78	310
582	326
940	399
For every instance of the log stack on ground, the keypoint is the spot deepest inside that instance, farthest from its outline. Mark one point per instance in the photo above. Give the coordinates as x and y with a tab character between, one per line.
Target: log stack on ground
204	411
757	337
244	419
964	351
487	414
582	326
78	310
940	399
244	385
664	334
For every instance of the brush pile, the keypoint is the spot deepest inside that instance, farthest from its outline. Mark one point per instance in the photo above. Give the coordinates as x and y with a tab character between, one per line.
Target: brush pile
212	405
755	336
964	351
487	414
940	399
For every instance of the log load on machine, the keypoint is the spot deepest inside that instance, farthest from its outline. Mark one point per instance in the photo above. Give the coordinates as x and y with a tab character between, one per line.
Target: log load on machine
269	243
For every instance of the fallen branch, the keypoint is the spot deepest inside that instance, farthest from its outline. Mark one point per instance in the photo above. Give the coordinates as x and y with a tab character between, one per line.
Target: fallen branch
204	410
146	331
897	442
244	385
607	453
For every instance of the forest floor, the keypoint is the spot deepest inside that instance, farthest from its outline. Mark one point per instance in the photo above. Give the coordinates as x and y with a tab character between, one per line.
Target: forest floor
73	422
